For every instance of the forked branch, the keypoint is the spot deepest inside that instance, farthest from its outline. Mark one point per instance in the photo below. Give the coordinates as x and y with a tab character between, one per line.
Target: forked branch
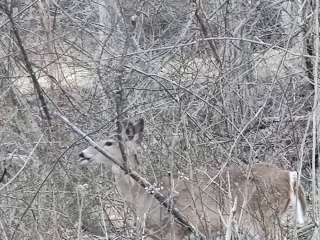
140	180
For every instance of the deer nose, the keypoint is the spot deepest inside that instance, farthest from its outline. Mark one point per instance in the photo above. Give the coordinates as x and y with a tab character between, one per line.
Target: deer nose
81	155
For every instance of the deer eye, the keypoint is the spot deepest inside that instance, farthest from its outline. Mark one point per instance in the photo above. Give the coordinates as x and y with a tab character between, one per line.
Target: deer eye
108	143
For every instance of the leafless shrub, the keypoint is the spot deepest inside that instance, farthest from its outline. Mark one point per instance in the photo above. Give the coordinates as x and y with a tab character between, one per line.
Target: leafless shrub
215	81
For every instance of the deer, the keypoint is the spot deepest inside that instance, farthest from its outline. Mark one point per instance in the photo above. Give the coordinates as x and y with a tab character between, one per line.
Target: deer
255	200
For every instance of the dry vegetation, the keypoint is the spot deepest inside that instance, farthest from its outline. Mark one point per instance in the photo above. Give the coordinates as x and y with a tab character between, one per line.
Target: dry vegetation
215	81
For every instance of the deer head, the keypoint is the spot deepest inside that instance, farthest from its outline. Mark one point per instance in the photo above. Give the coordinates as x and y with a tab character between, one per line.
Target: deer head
131	136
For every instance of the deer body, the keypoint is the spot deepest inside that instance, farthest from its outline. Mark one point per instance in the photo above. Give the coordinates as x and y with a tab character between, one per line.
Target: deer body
256	198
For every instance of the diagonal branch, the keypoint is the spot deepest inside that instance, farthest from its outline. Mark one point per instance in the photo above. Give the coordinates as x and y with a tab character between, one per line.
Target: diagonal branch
27	63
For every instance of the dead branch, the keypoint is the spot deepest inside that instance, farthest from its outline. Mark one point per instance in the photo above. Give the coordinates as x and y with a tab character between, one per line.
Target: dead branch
27	63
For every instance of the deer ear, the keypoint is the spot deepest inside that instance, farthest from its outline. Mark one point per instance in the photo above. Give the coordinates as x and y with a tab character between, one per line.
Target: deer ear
130	131
139	127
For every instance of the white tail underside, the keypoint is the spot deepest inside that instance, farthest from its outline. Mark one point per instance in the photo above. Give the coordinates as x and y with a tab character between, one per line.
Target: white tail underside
295	201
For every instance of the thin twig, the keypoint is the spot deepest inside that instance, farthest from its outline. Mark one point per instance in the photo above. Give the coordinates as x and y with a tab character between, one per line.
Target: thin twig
275	47
24	165
11	180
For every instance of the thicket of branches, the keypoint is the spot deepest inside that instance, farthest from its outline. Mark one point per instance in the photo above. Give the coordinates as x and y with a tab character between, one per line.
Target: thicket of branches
215	81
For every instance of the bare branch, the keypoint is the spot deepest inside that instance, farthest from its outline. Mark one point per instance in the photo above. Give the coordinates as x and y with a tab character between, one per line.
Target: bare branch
28	66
